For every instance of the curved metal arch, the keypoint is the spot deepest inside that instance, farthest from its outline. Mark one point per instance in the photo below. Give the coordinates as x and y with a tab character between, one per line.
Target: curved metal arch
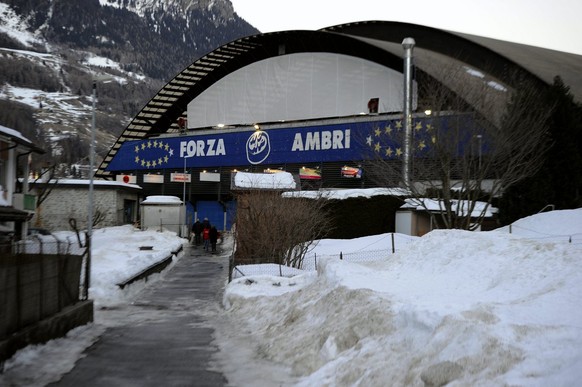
160	115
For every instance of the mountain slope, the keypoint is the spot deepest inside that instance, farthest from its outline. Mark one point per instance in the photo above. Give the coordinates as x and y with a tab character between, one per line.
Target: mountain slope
50	50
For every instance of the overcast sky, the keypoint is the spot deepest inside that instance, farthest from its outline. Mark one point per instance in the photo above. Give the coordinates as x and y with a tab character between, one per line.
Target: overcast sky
555	24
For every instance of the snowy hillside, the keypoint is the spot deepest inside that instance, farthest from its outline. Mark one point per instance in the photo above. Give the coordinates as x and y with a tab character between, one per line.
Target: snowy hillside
221	8
50	51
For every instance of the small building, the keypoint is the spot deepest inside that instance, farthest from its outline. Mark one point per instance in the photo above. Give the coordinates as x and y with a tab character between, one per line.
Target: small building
17	204
165	213
115	203
415	216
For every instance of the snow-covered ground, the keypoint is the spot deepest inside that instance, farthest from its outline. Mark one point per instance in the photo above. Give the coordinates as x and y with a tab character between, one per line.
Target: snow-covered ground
464	308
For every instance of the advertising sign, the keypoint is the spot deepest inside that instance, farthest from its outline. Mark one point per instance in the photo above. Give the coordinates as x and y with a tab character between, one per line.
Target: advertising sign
180	177
338	142
351	172
150	178
127	179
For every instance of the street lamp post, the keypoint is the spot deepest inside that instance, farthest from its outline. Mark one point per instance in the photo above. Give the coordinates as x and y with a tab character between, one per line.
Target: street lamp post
408	45
479	138
89	241
90	205
185	227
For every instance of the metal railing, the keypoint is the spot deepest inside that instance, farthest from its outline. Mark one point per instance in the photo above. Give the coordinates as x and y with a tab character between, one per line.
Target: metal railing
310	261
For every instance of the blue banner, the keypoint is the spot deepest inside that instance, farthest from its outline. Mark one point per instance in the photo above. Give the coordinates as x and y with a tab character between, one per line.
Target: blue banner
338	142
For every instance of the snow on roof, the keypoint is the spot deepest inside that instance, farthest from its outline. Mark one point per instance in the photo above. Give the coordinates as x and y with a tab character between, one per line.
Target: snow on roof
14	134
340	194
279	180
3	202
424	204
162	199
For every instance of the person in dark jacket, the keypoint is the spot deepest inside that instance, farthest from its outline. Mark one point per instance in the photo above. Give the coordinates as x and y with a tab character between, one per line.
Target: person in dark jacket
213	238
197	230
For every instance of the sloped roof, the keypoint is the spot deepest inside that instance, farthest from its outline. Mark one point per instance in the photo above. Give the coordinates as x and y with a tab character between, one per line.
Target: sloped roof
376	41
16	137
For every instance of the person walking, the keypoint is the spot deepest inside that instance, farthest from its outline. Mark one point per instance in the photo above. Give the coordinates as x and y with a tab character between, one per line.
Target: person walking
206	237
197	229
213	238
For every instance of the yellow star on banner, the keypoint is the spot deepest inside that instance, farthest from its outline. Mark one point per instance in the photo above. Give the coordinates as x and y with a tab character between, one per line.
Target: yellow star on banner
418	126
428	127
148	156
377	132
389	151
388	130
433	139
377	147
421	145
398	124
398	152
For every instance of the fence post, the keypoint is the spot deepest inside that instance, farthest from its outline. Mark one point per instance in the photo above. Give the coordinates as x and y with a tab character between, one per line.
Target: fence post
393	249
315	260
341	255
510	228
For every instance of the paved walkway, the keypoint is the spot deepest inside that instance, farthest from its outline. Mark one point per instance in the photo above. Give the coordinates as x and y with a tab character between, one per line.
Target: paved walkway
164	338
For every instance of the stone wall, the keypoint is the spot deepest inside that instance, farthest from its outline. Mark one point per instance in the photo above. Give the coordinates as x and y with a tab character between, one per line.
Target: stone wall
66	203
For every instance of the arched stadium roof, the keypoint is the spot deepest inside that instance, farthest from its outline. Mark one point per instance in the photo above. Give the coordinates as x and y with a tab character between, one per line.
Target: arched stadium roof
375	41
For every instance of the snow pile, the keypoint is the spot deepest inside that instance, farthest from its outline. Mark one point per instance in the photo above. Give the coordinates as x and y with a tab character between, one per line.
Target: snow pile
116	257
488	308
457	307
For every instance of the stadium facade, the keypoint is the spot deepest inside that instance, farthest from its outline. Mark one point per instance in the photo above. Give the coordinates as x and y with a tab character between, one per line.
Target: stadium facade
318	104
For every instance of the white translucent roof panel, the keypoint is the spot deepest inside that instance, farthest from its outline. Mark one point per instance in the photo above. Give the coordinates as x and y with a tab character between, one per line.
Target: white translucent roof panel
297	86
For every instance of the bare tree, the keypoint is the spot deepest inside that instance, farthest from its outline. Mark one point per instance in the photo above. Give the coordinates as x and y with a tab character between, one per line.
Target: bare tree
49	176
271	228
480	138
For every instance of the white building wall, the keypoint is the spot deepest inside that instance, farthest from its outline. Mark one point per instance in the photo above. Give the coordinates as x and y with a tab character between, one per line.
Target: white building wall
297	86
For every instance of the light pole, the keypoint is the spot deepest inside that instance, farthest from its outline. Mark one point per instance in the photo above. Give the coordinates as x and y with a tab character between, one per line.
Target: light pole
479	137
408	44
185	228
89	241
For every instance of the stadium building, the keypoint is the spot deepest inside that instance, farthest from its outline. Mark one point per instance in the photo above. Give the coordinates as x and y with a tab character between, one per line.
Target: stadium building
318	104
